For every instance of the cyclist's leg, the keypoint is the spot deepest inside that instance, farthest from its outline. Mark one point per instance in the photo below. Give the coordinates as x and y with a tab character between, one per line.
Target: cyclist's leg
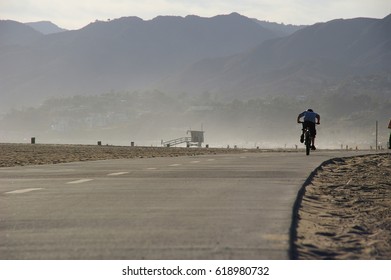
302	132
313	135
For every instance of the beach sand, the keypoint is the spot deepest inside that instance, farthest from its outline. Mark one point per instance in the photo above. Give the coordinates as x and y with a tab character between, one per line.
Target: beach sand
36	154
342	212
345	211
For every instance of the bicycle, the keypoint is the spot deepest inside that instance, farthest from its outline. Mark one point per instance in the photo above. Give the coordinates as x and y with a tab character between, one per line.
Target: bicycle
307	140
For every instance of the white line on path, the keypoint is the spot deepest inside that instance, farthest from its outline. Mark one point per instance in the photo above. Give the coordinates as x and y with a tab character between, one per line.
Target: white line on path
80	181
117	174
175	164
151	168
195	161
24	191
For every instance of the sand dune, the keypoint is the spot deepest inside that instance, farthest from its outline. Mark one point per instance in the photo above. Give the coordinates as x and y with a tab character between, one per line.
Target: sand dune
345	212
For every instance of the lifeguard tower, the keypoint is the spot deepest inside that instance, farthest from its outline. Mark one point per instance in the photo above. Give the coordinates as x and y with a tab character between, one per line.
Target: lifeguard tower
196	138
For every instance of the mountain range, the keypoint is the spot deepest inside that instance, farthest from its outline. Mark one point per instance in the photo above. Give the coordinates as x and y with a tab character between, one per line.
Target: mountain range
299	64
45	27
127	53
245	80
227	56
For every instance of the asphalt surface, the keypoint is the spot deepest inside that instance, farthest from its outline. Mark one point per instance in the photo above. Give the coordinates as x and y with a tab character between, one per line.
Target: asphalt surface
233	206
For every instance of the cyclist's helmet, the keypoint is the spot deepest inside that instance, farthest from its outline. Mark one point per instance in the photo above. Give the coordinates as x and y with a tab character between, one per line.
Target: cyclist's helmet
310	110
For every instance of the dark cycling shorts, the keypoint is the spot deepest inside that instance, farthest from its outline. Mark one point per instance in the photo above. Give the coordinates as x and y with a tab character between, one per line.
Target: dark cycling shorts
311	126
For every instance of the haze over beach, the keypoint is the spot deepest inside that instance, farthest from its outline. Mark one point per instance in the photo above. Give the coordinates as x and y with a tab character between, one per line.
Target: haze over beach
121	71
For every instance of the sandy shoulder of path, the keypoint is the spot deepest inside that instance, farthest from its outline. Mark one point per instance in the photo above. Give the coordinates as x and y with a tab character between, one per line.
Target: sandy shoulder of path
345	212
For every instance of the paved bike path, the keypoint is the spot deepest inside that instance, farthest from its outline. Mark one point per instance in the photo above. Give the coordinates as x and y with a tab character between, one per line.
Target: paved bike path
235	206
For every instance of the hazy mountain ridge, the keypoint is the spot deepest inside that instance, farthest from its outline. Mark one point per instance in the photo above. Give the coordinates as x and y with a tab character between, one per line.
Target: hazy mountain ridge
230	56
300	63
45	27
127	53
130	53
280	28
239	79
13	33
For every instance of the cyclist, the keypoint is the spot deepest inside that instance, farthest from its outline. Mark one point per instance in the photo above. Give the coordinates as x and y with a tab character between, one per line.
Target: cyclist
310	119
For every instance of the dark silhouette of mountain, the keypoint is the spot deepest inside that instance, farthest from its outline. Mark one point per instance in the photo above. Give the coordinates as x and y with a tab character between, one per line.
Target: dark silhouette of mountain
126	53
280	28
45	27
230	56
299	64
13	33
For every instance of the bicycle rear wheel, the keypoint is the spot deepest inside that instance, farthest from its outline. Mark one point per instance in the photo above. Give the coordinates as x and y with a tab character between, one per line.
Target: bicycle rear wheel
307	143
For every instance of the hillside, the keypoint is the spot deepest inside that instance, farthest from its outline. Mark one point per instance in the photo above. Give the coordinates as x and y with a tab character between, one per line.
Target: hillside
280	28
126	53
228	56
299	64
131	79
45	27
349	110
13	33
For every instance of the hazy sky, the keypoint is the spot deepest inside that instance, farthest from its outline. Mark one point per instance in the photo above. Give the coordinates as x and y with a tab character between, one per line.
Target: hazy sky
74	14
